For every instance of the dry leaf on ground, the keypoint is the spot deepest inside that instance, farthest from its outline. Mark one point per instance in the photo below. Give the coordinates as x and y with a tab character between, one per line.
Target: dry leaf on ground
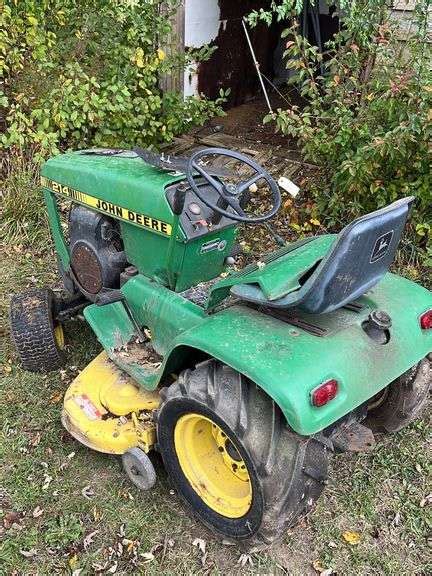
352	538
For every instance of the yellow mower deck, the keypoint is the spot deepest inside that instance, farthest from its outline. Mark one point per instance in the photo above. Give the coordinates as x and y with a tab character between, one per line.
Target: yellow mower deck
106	411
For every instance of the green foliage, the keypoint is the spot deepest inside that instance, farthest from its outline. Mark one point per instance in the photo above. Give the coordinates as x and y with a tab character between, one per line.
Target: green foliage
366	114
283	9
87	73
63	530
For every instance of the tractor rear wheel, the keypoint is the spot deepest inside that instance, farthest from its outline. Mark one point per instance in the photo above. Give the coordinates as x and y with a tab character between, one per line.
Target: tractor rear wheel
232	457
403	400
38	338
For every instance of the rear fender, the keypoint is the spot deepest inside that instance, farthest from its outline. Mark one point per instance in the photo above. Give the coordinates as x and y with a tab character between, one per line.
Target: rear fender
289	363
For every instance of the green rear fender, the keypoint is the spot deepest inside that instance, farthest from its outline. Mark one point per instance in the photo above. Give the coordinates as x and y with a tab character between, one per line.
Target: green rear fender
289	363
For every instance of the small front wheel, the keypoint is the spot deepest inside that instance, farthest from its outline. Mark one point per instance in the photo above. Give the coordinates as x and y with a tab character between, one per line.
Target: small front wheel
37	335
139	468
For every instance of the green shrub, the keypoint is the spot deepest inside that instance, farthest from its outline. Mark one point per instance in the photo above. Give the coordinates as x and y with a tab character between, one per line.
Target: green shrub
366	114
87	73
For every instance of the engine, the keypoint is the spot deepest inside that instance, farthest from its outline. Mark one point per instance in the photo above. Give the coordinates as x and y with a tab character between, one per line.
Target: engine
96	248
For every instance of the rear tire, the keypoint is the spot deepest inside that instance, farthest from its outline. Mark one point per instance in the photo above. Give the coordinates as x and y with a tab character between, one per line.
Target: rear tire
287	472
403	400
37	337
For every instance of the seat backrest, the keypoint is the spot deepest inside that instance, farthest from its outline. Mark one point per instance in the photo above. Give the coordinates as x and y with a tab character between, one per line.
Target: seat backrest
361	255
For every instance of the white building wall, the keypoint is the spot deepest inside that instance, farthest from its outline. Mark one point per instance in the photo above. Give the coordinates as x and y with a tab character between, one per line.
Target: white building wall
202	22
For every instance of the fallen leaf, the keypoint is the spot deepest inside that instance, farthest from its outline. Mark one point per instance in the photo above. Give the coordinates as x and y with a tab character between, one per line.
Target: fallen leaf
47	481
89	539
352	538
245	559
35	441
317	566
113	568
28	553
10	518
396	519
148	557
56	397
73	560
37	512
88	492
427	501
200	543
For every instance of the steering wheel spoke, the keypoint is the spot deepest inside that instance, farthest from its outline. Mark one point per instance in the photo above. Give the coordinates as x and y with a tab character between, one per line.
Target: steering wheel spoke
243	186
210	179
234	202
233	196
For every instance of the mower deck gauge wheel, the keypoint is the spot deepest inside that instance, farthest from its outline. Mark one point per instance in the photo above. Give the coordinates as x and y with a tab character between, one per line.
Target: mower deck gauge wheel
139	468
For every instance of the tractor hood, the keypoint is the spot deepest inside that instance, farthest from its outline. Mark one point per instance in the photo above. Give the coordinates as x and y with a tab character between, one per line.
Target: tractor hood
125	186
288	360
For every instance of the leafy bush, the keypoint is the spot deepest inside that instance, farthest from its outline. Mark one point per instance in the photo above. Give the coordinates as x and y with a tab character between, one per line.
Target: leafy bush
87	73
366	114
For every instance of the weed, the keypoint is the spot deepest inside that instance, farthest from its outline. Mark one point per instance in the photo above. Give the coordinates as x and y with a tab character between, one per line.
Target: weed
23	212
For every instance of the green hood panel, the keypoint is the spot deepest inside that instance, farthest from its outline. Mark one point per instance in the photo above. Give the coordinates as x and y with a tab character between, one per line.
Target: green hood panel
121	180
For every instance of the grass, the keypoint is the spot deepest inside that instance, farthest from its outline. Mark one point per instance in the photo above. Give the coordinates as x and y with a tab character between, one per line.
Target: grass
67	510
22	210
92	520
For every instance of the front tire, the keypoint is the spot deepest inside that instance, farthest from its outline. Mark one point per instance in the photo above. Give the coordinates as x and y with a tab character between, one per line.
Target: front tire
38	337
232	457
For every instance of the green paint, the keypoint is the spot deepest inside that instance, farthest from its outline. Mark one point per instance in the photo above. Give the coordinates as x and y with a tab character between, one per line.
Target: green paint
280	272
287	362
130	184
56	230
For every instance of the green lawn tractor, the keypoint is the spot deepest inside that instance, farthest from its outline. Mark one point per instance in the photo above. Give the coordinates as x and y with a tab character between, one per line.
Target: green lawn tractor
243	380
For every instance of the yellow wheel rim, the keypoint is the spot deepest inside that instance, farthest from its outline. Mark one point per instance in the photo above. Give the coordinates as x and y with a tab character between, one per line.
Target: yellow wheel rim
59	336
213	466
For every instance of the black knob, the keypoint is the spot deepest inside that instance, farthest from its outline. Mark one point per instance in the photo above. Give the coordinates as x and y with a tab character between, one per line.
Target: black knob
380	320
179	198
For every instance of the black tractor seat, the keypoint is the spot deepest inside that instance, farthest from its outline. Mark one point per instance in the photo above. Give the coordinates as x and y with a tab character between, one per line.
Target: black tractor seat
327	272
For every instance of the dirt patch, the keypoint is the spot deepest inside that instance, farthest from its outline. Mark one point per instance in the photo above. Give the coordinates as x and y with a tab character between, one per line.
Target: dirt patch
139	353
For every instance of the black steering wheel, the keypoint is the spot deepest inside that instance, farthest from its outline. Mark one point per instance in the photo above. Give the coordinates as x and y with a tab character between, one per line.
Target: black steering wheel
232	195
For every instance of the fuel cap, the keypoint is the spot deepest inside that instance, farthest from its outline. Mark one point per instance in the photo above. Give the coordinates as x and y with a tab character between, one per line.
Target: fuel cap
380	319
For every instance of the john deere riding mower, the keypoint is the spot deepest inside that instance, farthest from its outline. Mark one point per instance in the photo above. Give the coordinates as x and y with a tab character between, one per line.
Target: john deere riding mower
243	380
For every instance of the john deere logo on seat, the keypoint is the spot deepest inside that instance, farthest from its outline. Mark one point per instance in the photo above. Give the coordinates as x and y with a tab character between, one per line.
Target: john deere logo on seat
381	246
